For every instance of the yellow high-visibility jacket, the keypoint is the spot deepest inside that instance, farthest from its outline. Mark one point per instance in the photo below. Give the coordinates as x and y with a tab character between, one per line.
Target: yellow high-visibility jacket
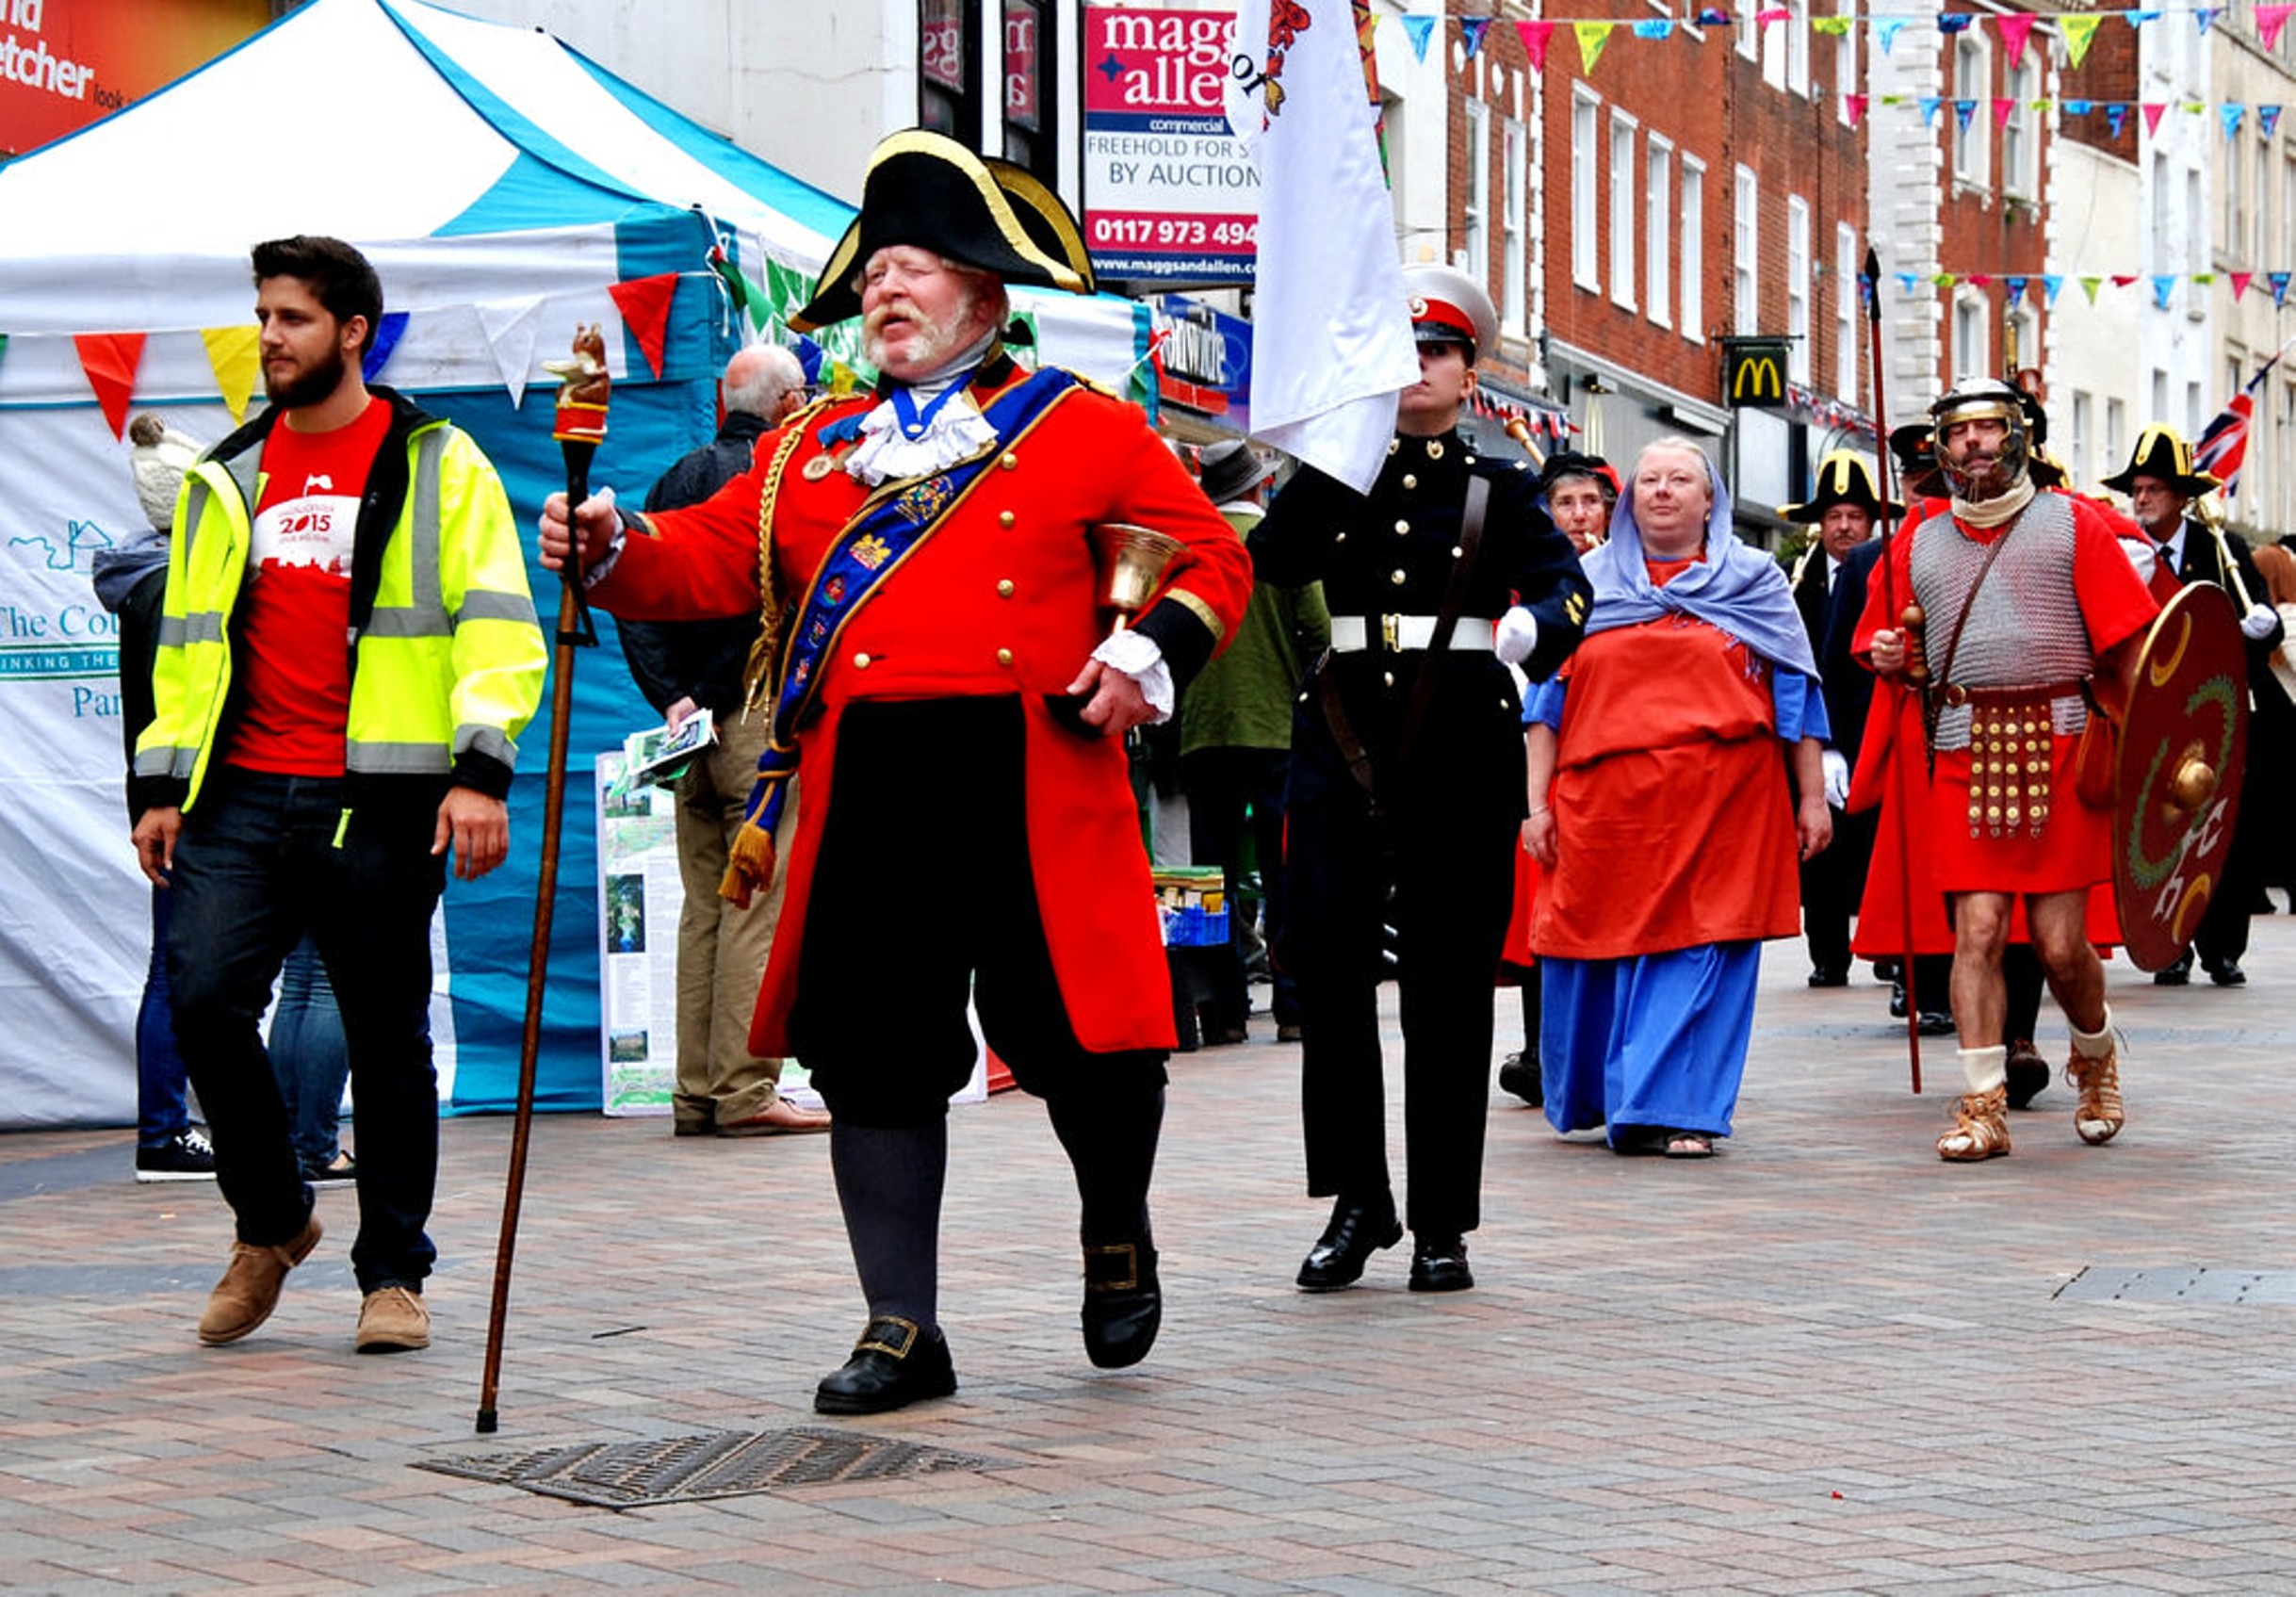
447	658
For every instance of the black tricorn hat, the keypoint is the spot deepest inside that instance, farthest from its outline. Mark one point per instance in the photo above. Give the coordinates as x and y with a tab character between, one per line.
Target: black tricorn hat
925	189
1568	463
2160	452
1842	478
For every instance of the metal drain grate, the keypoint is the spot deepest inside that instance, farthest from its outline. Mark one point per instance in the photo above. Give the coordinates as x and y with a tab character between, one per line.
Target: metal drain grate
2182	1283
691	1469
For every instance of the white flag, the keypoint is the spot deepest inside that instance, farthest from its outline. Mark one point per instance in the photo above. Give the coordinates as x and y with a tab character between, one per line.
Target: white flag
1332	335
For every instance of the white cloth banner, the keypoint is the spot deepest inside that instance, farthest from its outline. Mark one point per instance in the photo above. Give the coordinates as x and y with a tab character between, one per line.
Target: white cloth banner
1331	334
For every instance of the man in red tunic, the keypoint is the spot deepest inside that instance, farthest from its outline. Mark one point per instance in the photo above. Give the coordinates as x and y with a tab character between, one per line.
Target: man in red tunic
941	664
2027	597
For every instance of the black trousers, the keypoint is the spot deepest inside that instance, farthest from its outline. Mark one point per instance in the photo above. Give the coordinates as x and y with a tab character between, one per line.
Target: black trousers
1833	883
1441	871
1233	791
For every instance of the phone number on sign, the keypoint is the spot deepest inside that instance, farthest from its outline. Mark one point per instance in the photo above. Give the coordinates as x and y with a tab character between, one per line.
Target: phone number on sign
1172	232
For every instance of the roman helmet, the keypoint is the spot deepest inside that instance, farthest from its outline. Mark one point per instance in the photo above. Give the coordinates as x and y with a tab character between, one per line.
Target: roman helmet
1973	398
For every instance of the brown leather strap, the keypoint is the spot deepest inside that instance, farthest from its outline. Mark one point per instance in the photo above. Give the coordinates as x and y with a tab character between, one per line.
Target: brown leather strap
1343	731
1933	697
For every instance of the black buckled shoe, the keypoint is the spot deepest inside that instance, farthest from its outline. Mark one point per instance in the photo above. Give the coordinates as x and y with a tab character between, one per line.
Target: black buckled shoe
1123	1302
1356	1233
2227	973
896	1363
1438	1263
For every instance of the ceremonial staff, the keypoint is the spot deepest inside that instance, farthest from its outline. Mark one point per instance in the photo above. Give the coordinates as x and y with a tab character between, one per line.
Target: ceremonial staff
583	389
1917	669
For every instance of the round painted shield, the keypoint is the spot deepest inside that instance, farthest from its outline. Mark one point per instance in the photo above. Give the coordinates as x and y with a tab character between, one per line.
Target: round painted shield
2184	744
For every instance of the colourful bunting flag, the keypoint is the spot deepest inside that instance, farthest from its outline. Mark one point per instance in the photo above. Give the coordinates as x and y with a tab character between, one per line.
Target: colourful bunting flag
2153	109
2232	114
2089	286
1977	279
1536	38
1886	29
644	304
2121	279
235	355
388	332
512	328
2269	21
1833	27
1853	107
2050	282
1471	33
2015	26
2078	33
1713	16
2116	116
2279	280
2079	108
1591	37
2241	280
109	361
1906	281
1950	23
1944	279
2268	120
2014	287
1929	110
1963	111
1419	30
2002	109
2164	284
2138	19
1655	28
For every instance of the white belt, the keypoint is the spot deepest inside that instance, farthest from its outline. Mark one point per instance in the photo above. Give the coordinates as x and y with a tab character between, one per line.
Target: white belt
1397	632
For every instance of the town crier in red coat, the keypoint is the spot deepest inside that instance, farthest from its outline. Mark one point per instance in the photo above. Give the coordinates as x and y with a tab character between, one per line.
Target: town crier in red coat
939	660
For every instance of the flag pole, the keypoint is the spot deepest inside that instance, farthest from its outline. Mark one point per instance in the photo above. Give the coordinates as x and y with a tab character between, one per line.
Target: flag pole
1870	279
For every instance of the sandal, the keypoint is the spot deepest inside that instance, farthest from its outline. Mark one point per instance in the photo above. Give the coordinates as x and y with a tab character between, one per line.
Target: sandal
1688	1144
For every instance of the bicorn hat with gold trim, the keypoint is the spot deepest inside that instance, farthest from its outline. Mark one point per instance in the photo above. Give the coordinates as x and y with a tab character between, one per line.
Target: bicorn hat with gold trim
1842	478
925	189
2162	453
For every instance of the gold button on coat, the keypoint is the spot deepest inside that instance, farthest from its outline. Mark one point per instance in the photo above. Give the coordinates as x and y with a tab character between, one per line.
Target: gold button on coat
1004	518
860	662
1005	589
1004	657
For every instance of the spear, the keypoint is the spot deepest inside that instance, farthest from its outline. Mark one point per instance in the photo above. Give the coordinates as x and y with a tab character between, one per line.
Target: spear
1870	280
584	387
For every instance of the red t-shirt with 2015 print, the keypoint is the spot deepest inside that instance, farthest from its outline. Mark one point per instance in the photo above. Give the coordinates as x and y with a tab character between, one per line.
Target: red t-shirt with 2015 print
294	608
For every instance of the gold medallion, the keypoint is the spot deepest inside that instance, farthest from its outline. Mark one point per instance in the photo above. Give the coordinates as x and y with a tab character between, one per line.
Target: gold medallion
819	467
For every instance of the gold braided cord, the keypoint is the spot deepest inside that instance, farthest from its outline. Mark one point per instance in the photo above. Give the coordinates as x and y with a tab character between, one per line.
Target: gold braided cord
755	671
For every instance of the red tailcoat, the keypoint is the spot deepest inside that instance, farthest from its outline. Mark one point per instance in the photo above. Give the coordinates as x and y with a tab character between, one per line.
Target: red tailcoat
1000	598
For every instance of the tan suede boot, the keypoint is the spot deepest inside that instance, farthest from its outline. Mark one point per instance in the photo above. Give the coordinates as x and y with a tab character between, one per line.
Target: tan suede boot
249	1290
393	1320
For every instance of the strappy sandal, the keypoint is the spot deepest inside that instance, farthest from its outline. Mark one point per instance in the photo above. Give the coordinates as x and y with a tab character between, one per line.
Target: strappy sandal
1688	1144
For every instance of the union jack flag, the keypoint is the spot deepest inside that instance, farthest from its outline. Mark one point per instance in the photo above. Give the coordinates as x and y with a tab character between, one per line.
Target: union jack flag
2223	445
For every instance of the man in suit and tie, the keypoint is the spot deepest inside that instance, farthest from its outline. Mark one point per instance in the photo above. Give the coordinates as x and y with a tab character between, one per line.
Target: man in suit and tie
1829	585
2161	486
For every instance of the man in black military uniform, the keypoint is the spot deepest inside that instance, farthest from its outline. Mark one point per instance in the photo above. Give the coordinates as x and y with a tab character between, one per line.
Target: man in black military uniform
1406	794
2161	485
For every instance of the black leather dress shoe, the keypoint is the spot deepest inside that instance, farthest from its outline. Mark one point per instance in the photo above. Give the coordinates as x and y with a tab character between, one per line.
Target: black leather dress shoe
1438	1263
1827	976
1897	999
896	1363
1356	1233
1123	1302
1519	1073
2227	974
2176	976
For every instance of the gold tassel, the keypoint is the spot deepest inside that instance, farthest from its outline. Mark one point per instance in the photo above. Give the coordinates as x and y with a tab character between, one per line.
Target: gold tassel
751	865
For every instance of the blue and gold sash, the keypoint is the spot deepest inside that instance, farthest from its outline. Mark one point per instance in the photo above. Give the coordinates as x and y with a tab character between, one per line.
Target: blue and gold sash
891	527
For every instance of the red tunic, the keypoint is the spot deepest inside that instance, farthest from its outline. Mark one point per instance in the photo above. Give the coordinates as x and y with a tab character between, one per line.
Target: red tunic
2074	850
998	600
1673	821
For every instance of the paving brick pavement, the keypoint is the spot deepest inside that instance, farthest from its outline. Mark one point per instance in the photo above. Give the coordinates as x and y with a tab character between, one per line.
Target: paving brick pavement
1823	1361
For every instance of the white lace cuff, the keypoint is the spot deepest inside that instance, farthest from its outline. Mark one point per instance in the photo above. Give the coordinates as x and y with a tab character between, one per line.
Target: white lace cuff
1139	657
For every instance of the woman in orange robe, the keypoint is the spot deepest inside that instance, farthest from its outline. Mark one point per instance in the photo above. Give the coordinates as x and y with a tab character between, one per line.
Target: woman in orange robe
1661	811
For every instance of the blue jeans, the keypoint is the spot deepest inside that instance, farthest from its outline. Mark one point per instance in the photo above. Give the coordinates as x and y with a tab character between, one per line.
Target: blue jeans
161	1113
309	1056
262	861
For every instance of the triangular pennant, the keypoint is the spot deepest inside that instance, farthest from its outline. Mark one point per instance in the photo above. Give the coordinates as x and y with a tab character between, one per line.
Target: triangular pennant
1929	110
2164	286
2153	109
2204	278
1713	16
1963	111
1591	37
2138	19
2015	26
235	355
512	328
1471	33
2116	116
1977	279
2232	114
109	360
1906	281
1944	279
1655	28
1419	30
2077	107
1853	107
1955	22
1769	14
2002	109
2050	282
1833	27
2279	280
1536	37
2268	120
2269	21
2090	285
2014	287
388	332
2121	279
2079	32
1886	29
644	304
2206	15
2198	107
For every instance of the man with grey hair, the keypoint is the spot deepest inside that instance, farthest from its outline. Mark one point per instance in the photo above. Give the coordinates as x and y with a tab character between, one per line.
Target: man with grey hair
722	1089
